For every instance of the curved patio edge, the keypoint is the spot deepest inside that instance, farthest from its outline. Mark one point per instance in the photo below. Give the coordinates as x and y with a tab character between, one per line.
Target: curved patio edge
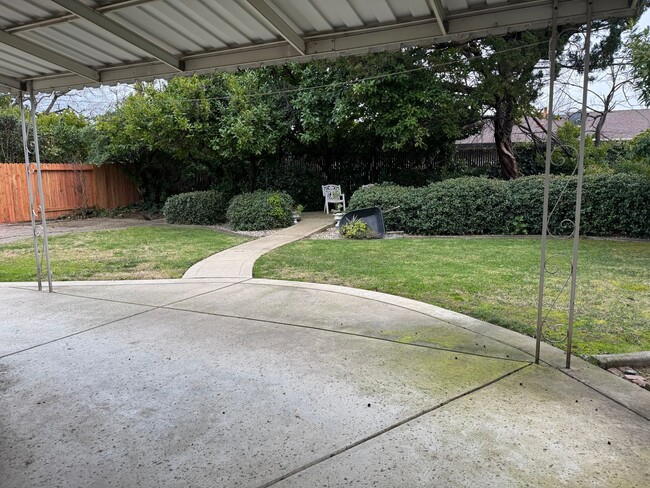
620	391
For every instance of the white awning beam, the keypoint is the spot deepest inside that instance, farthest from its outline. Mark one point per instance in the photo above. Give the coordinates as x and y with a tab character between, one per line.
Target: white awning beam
60	19
40	52
279	24
120	31
10	82
439	12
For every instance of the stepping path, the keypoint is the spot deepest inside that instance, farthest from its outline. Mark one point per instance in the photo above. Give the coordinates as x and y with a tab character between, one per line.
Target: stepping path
238	261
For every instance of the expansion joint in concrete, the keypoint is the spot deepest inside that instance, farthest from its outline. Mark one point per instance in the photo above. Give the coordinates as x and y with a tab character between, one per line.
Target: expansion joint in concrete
76	333
390	428
574	377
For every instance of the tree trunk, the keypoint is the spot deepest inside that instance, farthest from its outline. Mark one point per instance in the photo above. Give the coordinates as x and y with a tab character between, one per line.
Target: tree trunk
504	121
598	131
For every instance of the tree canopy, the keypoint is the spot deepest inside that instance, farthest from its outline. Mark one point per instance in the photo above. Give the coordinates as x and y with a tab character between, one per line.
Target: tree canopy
235	125
64	136
640	61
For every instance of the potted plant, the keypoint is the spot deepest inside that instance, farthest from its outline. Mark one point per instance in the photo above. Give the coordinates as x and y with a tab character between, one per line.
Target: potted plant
297	210
338	214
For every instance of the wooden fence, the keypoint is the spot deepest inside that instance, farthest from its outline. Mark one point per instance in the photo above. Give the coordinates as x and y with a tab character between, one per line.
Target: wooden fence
67	188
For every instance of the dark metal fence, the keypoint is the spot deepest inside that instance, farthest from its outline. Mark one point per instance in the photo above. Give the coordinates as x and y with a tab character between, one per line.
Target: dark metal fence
303	176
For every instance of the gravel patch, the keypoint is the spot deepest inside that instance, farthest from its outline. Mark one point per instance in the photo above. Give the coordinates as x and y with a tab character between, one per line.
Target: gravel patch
332	233
328	234
248	233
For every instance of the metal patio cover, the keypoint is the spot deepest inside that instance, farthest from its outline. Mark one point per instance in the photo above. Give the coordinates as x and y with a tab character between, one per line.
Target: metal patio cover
59	44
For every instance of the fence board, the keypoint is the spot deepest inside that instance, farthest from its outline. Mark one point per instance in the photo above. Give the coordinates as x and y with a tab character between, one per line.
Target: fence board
67	188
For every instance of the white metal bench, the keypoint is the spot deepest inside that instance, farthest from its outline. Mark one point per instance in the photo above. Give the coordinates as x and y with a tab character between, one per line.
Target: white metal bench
332	194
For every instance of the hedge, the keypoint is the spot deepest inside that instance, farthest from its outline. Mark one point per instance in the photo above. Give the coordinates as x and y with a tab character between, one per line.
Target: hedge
465	206
260	210
199	207
612	205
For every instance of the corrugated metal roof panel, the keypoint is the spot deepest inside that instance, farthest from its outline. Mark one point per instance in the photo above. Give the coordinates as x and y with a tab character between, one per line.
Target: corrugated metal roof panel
15	63
305	20
88	44
130	39
20	12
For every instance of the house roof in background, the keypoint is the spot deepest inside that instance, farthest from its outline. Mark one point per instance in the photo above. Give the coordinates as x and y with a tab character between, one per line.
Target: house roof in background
620	125
59	44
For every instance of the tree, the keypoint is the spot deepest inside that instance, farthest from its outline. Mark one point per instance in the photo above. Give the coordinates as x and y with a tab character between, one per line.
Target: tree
252	125
640	61
508	83
408	101
611	73
236	126
11	137
637	161
509	78
64	136
160	135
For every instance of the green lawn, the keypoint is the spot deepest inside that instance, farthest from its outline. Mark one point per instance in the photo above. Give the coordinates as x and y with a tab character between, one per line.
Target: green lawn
493	279
133	253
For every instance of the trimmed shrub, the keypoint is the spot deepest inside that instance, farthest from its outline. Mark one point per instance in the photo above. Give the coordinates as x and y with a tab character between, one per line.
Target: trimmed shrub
466	206
527	200
616	204
198	207
613	205
260	210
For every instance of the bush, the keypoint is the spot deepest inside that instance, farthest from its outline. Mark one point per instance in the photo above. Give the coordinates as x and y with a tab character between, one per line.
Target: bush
637	159
613	205
466	206
527	200
260	210
199	207
616	205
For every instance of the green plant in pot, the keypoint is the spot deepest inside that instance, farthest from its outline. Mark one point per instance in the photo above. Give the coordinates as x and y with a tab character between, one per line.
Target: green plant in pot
338	214
297	210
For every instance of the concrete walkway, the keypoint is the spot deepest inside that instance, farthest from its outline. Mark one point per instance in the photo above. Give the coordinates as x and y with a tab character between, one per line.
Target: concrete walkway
227	381
238	261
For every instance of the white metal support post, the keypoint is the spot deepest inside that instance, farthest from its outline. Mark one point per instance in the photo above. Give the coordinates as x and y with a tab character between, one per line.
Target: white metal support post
547	179
543	269
39	179
30	190
581	172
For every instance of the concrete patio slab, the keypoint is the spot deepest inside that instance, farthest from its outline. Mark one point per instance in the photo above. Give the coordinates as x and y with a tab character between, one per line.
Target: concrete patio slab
158	295
334	310
261	384
536	427
30	318
166	393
